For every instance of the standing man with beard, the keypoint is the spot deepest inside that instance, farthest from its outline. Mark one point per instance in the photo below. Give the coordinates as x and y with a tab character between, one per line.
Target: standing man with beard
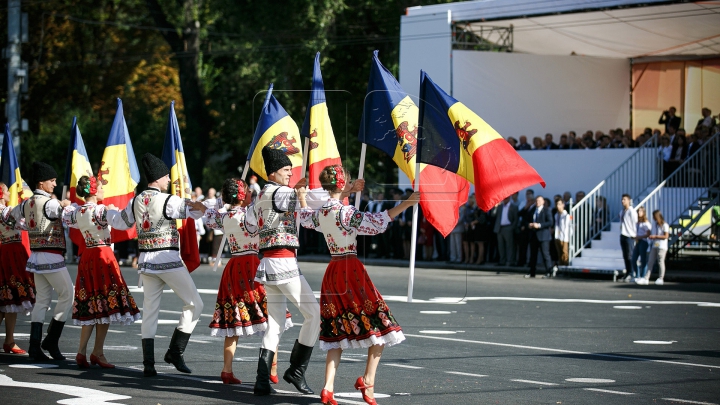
154	212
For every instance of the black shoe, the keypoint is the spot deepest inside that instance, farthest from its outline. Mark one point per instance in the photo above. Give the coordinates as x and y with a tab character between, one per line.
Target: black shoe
299	360
174	355
262	382
53	338
148	347
35	351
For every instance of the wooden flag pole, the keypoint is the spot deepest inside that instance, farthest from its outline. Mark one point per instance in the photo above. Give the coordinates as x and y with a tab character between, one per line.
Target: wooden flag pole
361	173
224	238
413	236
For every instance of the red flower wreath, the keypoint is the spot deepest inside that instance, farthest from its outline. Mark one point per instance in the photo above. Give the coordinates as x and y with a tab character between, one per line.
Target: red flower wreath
241	190
339	180
91	186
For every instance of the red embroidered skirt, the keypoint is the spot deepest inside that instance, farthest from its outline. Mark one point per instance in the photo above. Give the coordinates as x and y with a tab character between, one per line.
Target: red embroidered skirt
241	305
17	286
101	294
354	314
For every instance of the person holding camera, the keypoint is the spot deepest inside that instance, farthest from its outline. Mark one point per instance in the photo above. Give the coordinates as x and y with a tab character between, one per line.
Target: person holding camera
669	118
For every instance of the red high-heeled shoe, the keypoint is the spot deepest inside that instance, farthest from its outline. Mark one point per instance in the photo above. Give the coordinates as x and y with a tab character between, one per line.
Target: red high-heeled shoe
10	348
274	378
360	385
96	360
229	378
327	398
81	361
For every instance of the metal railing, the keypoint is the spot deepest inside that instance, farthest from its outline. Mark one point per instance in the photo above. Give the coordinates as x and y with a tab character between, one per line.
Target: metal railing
639	173
677	196
682	235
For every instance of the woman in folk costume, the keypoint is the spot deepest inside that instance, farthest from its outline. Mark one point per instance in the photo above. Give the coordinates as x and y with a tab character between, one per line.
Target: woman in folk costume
241	306
101	294
17	289
353	313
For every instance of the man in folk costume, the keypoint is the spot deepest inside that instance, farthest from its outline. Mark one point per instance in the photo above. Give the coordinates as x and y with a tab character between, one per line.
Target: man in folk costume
42	216
154	212
274	215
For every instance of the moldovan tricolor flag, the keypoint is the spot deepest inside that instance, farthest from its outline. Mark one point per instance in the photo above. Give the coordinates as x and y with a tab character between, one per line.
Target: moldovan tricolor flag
119	172
278	130
78	165
323	150
458	140
390	123
10	175
174	157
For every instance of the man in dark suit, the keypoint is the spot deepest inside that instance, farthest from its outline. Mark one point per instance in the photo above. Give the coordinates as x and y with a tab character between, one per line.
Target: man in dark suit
523	234
505	223
670	119
523	145
540	226
693	145
549	144
564	144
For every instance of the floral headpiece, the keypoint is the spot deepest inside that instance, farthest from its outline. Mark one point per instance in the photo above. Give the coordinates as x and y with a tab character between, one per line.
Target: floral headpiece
91	186
1	193
338	177
240	194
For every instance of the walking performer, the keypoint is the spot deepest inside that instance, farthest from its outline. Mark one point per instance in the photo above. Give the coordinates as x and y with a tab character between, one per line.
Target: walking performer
353	313
101	294
17	289
274	214
153	213
47	261
241	307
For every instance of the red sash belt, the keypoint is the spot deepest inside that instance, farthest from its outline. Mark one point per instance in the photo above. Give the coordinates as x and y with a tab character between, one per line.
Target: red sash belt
276	253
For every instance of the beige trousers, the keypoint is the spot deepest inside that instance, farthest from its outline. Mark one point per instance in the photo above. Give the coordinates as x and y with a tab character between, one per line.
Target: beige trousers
45	283
184	287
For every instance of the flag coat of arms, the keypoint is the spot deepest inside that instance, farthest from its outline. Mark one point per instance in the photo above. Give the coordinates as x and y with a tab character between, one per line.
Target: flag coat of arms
458	140
174	157
277	130
322	151
390	123
119	172
10	175
78	165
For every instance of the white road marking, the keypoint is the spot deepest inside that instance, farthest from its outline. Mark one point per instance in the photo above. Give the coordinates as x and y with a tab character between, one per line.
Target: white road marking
627	307
403	298
438	332
655	342
358	395
165	311
162	321
18	334
708	304
350	359
546	349
197	341
82	395
609	391
403	366
685	401
534	382
588	301
33	366
465	374
120	347
437	312
590	380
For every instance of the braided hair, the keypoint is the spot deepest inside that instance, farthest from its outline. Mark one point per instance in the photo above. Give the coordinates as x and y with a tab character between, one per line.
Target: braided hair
86	187
234	191
333	178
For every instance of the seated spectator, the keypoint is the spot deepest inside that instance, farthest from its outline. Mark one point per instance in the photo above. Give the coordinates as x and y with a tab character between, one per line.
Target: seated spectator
678	154
598	138
577	143
523	145
605	143
538	143
579	196
549	144
563	142
693	145
707	121
566	198
664	152
513	142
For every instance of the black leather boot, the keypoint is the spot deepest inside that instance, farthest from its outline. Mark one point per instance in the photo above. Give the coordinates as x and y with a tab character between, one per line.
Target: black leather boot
262	382
35	352
51	341
148	347
299	359
174	355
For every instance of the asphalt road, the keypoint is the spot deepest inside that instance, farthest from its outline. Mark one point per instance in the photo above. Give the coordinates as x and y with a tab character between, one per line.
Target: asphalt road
472	338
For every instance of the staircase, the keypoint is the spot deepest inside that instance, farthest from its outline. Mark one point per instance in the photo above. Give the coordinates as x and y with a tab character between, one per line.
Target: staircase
683	198
596	249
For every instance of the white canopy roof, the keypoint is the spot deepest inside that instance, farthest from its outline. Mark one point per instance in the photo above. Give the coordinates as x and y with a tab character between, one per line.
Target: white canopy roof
646	31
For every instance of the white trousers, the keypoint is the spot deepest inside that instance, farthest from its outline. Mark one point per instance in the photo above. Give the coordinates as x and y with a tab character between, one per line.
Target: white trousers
183	286
298	291
45	283
456	247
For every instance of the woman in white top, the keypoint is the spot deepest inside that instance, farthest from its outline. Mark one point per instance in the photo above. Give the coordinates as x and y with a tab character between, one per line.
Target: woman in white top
562	232
641	246
659	240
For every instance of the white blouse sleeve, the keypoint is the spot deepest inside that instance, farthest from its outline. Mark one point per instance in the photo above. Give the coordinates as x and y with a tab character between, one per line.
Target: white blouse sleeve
178	208
122	220
308	219
213	218
366	223
68	215
9	218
